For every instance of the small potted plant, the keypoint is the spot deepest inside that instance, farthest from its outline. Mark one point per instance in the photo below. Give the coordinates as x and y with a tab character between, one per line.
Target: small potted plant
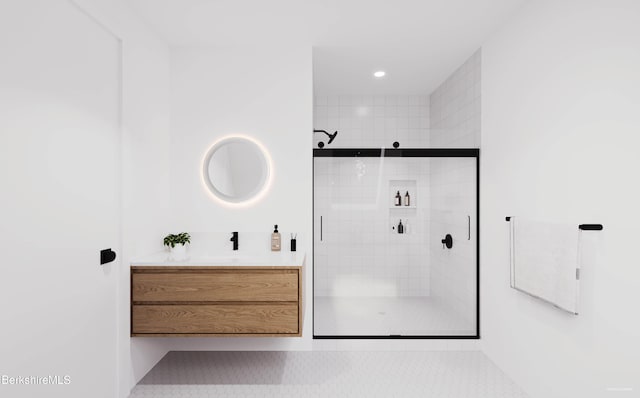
177	244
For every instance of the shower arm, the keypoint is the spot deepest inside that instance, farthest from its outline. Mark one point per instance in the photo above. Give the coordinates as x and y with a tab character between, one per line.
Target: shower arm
331	136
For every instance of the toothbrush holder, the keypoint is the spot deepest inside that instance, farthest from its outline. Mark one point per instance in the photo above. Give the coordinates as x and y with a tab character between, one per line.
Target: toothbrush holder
293	245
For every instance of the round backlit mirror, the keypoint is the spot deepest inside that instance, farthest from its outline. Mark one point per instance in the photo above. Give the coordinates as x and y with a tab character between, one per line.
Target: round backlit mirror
236	169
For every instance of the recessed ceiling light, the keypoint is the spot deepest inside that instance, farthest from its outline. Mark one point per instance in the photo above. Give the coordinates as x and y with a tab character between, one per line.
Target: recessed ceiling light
380	73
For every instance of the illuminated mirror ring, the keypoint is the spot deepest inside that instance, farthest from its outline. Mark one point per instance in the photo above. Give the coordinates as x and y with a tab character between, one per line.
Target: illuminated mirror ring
237	169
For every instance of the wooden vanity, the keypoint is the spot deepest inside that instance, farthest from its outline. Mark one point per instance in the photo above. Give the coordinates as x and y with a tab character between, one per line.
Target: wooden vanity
216	300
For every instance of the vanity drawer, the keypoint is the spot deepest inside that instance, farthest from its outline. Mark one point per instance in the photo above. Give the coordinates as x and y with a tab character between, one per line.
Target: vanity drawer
236	319
215	285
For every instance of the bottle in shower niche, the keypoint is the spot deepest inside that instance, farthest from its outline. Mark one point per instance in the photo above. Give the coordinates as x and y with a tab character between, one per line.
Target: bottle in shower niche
400	228
275	240
407	199
398	199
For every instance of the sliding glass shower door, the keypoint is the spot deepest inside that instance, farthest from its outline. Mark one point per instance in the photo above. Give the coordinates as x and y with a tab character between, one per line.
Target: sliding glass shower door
395	243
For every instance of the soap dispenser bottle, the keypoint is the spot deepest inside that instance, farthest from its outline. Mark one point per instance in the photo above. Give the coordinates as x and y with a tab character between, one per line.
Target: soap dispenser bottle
407	199
398	199
275	240
400	228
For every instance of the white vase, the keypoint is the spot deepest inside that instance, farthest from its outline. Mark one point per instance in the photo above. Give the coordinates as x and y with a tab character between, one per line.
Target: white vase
179	252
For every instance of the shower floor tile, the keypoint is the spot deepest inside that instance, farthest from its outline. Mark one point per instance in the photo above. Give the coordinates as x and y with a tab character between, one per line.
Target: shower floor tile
459	374
383	316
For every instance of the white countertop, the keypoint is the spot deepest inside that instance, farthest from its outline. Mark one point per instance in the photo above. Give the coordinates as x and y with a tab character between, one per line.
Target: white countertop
282	259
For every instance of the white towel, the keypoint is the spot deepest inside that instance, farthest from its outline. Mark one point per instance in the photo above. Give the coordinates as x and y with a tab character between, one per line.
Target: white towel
545	261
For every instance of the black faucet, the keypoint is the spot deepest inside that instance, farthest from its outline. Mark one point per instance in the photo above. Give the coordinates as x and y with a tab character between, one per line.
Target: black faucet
234	239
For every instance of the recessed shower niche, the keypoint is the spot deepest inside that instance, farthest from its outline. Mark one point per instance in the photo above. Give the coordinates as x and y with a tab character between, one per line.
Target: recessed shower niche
402	206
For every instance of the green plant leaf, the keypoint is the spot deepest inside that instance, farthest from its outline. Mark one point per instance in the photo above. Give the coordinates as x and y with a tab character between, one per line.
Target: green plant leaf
173	239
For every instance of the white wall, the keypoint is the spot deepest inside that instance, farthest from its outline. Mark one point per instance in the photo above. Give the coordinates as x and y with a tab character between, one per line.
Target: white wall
258	92
145	167
560	124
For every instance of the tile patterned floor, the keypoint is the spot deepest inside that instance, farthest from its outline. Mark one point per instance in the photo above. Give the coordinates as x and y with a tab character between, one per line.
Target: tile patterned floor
297	374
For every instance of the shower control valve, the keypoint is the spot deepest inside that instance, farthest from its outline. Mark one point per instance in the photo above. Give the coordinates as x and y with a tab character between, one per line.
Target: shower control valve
447	241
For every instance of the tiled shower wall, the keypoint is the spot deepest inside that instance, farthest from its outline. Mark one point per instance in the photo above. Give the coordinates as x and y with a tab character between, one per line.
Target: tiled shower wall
455	108
455	122
365	121
360	255
358	252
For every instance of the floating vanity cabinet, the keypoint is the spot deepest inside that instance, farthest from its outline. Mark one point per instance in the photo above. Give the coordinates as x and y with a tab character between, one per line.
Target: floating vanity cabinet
216	300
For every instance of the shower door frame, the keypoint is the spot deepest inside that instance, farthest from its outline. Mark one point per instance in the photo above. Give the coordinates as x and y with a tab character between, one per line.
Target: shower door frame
399	153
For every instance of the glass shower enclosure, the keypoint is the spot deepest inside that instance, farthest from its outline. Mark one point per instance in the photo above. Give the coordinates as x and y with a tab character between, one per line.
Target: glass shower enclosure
396	243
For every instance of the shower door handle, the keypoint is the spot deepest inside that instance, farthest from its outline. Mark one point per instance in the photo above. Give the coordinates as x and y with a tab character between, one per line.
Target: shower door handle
320	228
468	227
